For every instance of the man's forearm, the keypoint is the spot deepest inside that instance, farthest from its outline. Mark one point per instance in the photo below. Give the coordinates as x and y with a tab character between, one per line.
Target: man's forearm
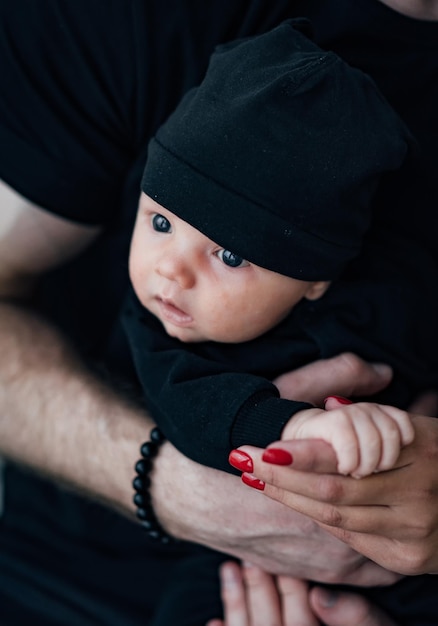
58	418
205	505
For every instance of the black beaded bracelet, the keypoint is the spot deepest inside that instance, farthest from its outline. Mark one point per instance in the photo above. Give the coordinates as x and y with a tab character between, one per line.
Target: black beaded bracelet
141	484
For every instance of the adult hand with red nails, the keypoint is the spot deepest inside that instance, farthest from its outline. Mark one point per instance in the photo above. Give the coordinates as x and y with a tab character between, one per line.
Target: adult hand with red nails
251	597
390	517
224	514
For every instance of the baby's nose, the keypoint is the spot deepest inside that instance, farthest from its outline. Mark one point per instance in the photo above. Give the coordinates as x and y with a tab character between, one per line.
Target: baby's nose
175	268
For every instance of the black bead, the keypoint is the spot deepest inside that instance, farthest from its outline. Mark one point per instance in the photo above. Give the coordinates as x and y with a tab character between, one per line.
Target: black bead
155	534
157	436
143	514
139	499
148	524
143	466
141	484
148	450
138	483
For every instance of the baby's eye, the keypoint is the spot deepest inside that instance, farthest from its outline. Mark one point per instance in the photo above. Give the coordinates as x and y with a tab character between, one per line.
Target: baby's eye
231	259
161	224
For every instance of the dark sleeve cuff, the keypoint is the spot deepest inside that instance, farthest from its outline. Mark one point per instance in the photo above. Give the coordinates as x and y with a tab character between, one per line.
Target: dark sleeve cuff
262	418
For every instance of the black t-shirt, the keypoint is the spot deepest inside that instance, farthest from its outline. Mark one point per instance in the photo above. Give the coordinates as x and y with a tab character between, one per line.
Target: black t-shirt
84	85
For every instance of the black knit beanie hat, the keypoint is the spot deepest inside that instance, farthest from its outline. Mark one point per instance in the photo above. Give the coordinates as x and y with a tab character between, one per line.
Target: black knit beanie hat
277	154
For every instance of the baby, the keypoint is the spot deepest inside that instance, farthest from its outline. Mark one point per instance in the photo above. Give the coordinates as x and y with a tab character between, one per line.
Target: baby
202	292
255	196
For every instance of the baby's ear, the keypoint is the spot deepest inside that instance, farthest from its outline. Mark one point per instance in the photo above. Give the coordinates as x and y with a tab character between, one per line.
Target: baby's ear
317	289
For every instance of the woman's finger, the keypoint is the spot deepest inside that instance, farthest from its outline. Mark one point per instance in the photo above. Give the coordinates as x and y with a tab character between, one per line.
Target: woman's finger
321	487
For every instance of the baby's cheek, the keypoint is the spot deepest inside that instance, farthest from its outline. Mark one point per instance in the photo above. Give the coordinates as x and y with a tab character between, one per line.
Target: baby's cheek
134	265
225	325
135	281
139	284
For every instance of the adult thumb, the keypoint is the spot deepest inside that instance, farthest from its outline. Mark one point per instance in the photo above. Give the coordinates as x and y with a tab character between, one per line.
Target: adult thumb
336	402
344	609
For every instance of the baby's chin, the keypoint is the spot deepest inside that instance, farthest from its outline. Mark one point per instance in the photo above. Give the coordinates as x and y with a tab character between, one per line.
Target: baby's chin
193	334
185	335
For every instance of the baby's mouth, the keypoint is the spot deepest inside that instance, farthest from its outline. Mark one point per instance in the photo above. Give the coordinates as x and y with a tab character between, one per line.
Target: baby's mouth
171	313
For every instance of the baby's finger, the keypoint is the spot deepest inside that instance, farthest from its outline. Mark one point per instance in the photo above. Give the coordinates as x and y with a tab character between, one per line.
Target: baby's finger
404	423
341	434
391	441
370	446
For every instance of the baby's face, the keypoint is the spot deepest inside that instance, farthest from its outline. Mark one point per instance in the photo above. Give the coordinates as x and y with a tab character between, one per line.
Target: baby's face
198	290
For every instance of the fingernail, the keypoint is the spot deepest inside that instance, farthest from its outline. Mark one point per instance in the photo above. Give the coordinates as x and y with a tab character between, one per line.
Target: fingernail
327	598
276	456
241	461
253	482
340	399
382	369
228	575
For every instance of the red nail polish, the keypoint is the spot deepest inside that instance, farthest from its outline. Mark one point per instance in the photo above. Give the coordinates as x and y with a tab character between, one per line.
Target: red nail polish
340	399
253	482
276	456
241	461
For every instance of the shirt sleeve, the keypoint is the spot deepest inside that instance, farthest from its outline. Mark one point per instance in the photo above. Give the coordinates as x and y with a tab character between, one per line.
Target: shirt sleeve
203	407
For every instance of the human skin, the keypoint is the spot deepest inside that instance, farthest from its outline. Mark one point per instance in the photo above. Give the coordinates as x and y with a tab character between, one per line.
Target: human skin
366	437
251	597
18	269
419	9
182	277
93	449
390	517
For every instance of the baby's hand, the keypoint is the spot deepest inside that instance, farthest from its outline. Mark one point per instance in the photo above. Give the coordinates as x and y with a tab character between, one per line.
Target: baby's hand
366	437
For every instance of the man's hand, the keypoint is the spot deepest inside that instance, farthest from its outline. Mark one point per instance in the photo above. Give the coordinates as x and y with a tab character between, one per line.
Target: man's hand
344	375
251	597
344	609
